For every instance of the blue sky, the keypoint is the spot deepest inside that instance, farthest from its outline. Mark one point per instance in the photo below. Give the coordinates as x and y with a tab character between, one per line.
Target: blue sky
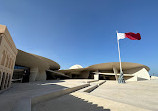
84	31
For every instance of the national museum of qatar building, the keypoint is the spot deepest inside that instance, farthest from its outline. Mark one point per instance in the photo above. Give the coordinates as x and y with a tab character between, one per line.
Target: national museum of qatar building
20	66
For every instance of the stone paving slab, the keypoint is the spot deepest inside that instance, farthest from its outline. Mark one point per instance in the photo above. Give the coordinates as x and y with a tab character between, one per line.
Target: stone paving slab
141	94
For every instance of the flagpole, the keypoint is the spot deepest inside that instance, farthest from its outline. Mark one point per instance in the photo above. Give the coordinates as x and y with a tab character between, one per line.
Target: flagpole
120	79
119	55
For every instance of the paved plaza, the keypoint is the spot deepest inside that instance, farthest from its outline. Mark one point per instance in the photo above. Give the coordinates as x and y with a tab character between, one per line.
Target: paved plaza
110	96
142	94
20	91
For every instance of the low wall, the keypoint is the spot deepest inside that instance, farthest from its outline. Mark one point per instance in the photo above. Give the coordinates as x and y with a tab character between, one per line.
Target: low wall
48	96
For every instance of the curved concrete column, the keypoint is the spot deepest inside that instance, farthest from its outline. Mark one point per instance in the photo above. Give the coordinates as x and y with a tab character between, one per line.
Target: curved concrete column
96	76
41	76
6	81
1	75
115	72
10	79
3	81
33	74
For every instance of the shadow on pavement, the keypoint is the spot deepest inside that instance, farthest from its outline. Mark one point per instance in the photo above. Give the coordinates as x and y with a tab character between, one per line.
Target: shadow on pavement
67	103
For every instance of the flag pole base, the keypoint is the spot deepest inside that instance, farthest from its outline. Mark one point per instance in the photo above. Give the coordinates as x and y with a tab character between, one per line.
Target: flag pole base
121	79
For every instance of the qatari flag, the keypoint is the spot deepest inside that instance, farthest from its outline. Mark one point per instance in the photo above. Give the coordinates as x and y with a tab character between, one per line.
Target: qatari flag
129	35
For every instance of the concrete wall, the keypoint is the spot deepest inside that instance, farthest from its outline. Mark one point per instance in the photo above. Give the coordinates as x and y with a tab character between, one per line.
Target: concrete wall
8	53
143	73
138	73
153	77
131	78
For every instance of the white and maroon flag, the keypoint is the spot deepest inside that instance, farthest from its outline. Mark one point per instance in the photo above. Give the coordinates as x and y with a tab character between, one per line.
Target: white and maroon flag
129	35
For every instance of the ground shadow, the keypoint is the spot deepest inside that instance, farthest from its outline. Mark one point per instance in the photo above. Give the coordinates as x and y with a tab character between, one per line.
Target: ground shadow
67	103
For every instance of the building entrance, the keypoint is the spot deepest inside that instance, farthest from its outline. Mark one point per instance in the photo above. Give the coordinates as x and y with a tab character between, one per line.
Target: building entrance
21	74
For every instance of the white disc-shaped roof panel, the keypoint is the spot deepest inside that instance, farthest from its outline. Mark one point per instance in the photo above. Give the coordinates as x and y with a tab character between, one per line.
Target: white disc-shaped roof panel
76	67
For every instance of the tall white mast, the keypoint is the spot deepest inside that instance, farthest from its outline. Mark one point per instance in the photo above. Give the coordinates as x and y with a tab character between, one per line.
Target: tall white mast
120	79
119	54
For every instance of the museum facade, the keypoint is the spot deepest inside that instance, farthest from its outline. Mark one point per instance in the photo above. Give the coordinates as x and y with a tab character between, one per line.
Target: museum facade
20	66
8	54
